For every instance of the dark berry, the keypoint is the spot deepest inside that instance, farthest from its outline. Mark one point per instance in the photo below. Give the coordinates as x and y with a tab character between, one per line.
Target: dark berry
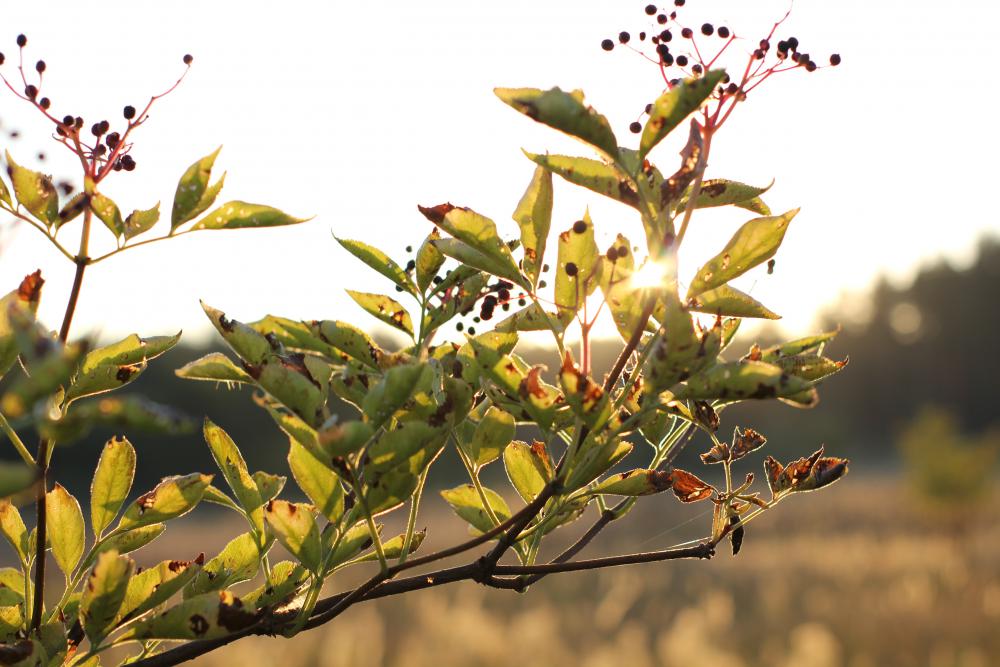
22	41
45	103
522	302
128	164
666	36
649	107
664	51
607	45
661	18
505	307
758	54
438	280
623	251
542	284
68	120
723	32
472	331
476	320
188	59
1	58
650	9
687	33
765	45
612	254
835	59
41	157
635	127
696	68
810	66
459	326
707	29
571	269
678	3
624	37
40	66
642	37
667	58
96	129
732	88
129	112
411	265
682	61
579	226
31	92
793	43
770	266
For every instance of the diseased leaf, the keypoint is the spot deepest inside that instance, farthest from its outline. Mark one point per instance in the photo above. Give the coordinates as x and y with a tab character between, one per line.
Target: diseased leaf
730	302
66	530
381	262
171	498
534	216
622	297
721	192
563	111
104	593
429	261
755	242
191	189
34	191
320	484
740	380
673	106
600	177
395	388
466	502
469	256
294	526
350	340
492	435
242	215
22	303
141	221
385	309
238	561
809	344
528	467
207	616
215	367
251	346
687	487
113	366
577	269
131	540
476	231
288	578
155	585
639	482
112	482
393	548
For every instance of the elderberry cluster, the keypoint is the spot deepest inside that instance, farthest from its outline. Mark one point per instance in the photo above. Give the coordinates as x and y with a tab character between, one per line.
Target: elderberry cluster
690	55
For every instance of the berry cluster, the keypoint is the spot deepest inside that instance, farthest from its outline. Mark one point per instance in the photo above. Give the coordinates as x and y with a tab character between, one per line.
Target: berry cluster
691	55
107	151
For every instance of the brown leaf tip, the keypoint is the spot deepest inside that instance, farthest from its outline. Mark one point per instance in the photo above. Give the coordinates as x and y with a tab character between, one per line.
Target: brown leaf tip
30	289
436	213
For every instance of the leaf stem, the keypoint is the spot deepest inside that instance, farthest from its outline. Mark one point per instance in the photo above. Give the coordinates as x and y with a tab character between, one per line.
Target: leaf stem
16	441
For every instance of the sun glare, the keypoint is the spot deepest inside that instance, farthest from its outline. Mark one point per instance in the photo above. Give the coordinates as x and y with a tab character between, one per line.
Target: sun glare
650	274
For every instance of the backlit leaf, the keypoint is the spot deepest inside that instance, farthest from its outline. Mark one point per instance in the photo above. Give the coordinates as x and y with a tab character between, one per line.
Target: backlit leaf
242	215
112	482
104	593
385	309
34	191
673	106
234	469
379	261
577	267
600	177
730	302
171	498
294	526
66	531
466	502
563	111
141	221
215	367
108	213
534	216
320	484
191	189
529	468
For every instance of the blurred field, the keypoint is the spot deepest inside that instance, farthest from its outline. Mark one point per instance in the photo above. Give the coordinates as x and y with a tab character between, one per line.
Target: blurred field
862	575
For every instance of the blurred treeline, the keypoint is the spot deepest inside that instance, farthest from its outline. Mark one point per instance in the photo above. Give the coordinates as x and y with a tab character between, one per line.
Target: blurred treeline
931	343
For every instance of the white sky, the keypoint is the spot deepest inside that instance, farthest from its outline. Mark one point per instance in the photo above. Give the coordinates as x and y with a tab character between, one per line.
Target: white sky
356	112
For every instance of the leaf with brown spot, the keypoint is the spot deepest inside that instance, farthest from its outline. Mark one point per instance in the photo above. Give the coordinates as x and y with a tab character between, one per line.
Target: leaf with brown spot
673	106
534	216
104	593
563	111
638	482
385	309
528	467
746	441
600	177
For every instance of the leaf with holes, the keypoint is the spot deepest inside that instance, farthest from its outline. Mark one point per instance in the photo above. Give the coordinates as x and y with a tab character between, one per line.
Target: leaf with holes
34	191
600	177
244	215
673	106
385	309
565	112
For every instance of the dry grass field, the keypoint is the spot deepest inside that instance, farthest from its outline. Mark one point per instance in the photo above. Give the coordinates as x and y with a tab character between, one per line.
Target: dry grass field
863	575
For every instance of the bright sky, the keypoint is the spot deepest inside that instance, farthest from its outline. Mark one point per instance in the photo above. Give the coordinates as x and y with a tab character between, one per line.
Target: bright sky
356	112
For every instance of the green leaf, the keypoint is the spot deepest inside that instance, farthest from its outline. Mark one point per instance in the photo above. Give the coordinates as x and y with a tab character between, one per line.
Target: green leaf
15	477
741	380
478	233
730	302
534	216
171	498
108	213
395	388
141	221
243	215
66	531
471	257
623	299
5	194
565	112
207	616
395	447
155	585
722	192
600	177
755	242
493	434
385	309
597	456
673	106
12	527
530	318
238	561
354	541
528	468
104	593
215	367
577	268
429	261
294	526
466	502
320	484
381	262
112	482
586	396
34	191
234	469
72	209
270	485
131	540
191	191
393	548
812	367
127	412
812	344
